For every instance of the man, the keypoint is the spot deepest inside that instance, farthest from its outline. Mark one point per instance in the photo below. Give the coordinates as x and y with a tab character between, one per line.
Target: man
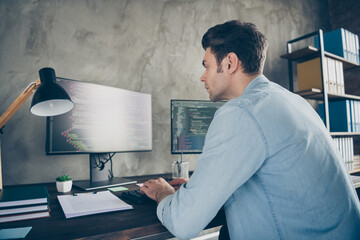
267	158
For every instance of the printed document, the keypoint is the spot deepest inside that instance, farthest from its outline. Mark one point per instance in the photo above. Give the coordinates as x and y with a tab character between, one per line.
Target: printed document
82	204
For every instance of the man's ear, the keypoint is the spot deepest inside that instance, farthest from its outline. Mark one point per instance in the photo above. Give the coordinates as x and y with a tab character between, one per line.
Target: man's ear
233	63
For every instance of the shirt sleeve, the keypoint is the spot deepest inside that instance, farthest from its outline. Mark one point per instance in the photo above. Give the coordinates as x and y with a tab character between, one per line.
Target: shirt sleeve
234	150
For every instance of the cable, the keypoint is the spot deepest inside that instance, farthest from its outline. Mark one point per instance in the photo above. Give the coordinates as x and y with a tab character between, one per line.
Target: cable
111	174
99	161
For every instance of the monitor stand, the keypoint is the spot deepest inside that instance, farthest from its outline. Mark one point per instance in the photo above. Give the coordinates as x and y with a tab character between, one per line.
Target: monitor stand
87	185
101	174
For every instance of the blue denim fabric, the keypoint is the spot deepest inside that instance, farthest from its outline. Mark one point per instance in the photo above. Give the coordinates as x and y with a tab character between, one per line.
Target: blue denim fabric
269	160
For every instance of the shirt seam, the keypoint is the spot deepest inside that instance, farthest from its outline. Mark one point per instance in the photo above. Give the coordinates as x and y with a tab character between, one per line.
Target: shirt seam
270	205
259	129
256	175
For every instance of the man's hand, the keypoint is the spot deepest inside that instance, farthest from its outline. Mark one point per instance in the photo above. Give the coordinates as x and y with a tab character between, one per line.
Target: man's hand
157	189
177	182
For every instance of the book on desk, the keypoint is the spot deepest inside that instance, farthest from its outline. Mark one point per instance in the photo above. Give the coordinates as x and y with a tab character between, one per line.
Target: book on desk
24	202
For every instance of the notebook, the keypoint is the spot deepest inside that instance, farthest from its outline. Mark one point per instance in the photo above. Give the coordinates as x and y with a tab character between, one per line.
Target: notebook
25	195
26	216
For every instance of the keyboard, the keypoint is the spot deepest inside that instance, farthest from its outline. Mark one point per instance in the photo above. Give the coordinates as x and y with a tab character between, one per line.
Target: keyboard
135	196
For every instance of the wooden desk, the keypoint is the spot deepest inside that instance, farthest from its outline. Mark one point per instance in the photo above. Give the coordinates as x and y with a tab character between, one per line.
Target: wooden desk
141	222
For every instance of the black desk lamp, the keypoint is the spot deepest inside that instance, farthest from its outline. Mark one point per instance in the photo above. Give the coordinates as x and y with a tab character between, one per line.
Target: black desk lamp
50	99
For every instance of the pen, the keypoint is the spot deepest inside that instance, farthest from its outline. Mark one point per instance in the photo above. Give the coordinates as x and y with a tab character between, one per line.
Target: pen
75	194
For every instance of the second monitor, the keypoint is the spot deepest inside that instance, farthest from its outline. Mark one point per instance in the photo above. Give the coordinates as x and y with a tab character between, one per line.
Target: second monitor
190	120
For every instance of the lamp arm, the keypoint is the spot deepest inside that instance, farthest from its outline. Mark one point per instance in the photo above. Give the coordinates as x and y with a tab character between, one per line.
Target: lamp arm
19	101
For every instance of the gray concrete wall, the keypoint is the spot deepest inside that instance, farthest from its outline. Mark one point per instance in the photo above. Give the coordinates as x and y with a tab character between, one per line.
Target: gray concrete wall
151	46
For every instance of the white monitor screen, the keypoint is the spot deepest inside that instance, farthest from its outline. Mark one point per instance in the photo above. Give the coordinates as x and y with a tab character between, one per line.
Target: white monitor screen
104	119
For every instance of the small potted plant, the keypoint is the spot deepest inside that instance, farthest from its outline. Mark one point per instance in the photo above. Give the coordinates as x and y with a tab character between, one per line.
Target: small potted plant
64	183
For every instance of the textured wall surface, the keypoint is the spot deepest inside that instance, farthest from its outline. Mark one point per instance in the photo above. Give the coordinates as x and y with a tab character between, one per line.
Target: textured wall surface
151	46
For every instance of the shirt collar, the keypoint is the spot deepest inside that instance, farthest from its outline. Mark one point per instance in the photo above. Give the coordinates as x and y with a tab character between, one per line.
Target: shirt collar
261	79
254	83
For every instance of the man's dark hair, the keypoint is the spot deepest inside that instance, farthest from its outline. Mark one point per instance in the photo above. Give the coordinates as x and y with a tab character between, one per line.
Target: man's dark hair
241	38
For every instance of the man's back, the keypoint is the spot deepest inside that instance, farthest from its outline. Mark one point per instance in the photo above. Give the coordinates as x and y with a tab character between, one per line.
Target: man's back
301	189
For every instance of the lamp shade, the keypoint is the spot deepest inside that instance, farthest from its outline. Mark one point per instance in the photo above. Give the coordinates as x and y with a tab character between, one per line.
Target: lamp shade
50	99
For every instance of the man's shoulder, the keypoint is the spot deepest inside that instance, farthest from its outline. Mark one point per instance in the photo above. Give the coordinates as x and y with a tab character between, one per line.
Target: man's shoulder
232	111
229	107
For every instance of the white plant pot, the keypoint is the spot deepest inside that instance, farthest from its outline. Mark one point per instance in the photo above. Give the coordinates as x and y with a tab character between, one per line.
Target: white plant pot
64	186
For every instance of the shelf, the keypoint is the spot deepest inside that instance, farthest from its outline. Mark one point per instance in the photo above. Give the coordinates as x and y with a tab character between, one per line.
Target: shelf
345	134
355	180
317	94
355	172
311	52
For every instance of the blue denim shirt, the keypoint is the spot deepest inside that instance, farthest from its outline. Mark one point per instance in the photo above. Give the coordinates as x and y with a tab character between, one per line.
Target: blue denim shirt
269	160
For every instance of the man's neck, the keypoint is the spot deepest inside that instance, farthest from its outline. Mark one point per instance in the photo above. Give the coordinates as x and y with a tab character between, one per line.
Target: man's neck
241	82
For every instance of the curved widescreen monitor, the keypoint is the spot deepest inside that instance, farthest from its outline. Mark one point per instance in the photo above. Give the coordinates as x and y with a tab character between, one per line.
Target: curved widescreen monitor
190	120
104	119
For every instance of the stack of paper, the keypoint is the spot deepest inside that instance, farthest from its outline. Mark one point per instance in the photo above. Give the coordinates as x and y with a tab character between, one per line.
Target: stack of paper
82	204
